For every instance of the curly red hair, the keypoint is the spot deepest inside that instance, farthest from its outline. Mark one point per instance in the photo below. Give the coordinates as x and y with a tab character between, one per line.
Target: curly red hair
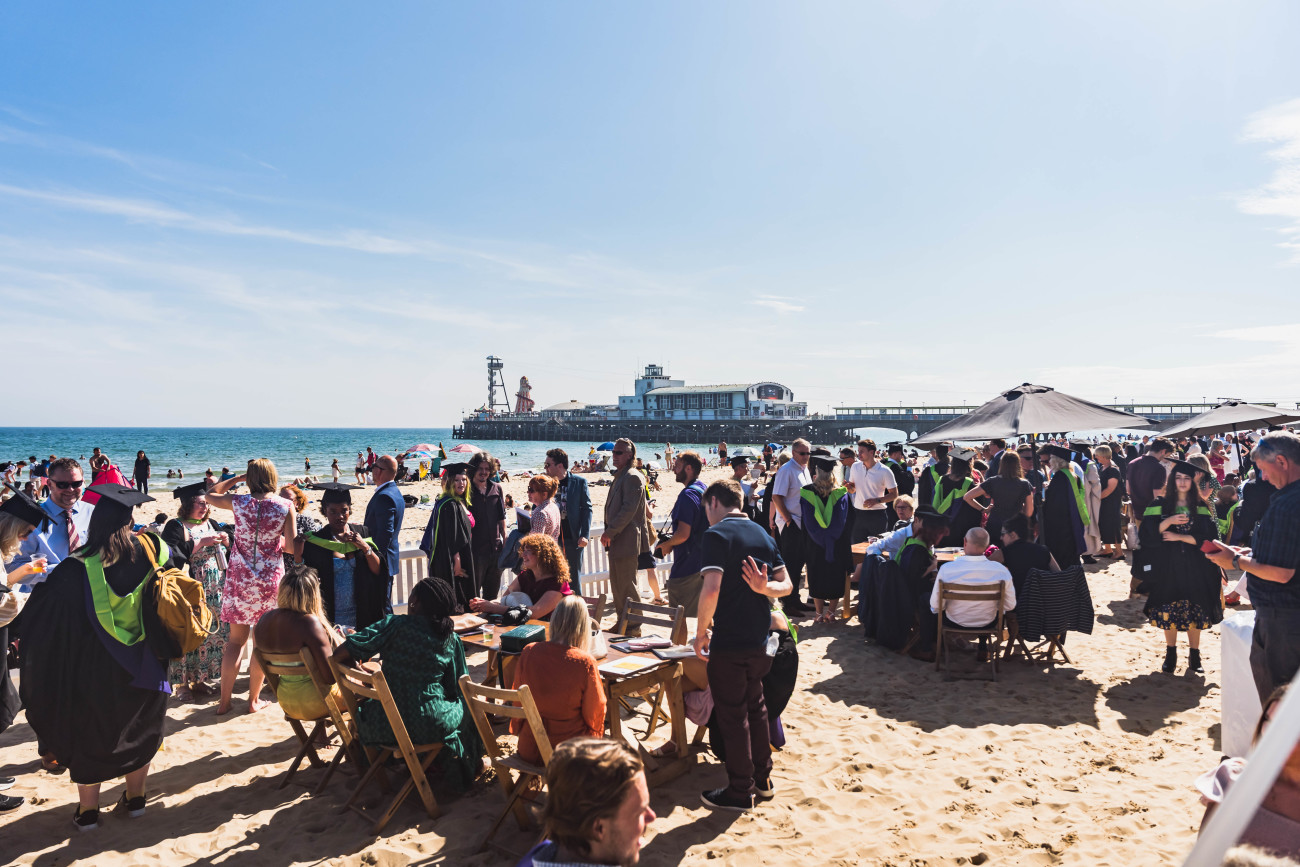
550	559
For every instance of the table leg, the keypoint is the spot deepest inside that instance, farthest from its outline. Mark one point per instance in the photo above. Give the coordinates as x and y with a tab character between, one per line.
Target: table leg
613	717
677	710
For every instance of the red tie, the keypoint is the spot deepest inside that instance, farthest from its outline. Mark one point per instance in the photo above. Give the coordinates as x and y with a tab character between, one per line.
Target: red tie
73	542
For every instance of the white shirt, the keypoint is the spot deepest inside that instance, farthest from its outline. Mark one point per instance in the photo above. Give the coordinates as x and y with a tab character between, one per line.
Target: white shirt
790	480
891	543
974	570
870	483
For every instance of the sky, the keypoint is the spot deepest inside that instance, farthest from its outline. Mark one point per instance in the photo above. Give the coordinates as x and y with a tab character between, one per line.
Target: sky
328	214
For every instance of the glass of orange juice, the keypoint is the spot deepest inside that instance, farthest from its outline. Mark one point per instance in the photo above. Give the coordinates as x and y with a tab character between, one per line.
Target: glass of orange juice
39	563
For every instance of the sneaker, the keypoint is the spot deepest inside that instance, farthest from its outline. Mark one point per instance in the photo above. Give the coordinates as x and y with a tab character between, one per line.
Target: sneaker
87	821
7	783
763	790
134	807
723	799
10	802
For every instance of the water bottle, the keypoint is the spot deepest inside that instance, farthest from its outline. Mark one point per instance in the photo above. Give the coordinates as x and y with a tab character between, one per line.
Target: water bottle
772	642
599	649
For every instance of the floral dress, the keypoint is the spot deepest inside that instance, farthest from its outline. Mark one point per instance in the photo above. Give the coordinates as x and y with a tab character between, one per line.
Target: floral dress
256	564
204	664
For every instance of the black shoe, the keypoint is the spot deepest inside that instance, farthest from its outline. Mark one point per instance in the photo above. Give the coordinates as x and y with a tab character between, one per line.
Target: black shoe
7	783
86	821
10	802
763	790
1194	662
723	799
1171	660
133	807
1088	559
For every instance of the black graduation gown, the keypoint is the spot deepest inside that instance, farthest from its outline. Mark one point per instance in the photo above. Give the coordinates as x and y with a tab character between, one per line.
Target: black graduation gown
367	587
961	516
10	703
1062	525
450	528
925	484
99	719
1180	571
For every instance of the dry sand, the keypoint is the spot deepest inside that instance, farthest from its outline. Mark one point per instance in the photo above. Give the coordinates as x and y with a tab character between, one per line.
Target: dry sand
887	763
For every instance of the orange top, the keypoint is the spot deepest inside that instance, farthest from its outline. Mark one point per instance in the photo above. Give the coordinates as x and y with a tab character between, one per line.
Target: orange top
569	695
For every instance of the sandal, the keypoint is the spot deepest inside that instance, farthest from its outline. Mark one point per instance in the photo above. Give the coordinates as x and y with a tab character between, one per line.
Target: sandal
659	600
51	764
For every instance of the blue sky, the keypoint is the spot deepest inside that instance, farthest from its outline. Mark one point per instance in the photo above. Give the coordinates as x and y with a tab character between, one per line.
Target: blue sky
322	214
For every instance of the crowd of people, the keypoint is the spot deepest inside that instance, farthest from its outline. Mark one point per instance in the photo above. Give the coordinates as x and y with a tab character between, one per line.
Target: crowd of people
1205	522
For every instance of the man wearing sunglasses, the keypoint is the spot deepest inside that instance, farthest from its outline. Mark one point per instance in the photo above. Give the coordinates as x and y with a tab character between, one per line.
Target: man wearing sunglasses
69	520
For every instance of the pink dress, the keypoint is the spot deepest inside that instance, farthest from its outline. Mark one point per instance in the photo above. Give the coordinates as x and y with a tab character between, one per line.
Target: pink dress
256	567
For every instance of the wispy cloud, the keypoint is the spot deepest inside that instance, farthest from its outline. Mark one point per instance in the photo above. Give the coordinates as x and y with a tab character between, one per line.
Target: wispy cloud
1280	196
21	115
779	303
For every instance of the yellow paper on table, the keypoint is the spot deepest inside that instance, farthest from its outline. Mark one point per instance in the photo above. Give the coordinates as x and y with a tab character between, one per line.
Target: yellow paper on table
629	665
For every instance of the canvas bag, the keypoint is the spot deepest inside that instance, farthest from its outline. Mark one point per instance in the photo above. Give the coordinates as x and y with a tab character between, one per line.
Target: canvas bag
177	618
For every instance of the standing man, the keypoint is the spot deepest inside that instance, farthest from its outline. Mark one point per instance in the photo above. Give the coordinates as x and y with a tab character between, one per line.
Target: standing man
384	518
574	500
742	573
689	523
1146	477
69	521
627	533
787	519
488	535
873	487
740	475
371	458
1271	566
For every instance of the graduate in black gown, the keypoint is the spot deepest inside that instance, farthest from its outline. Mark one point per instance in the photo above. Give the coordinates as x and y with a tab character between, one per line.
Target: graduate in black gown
1183	588
948	497
828	540
930	476
1063	521
447	538
95	690
346	561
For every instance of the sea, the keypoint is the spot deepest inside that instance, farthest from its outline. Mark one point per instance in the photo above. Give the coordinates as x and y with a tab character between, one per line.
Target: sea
192	451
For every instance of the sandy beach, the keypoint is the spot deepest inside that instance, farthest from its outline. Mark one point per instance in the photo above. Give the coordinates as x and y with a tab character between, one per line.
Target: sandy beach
887	764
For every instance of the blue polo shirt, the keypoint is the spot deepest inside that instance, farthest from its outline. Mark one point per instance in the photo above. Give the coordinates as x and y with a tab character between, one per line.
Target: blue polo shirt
1277	543
689	509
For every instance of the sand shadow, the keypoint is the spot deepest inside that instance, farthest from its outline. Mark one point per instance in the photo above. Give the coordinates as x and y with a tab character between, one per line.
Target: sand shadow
1125	613
901	688
1147	702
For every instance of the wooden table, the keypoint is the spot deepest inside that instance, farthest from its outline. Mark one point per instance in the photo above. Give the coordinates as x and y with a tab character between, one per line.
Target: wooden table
666	673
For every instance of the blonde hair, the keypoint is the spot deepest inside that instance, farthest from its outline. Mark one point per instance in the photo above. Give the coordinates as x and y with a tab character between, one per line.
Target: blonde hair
570	624
262	477
905	499
11	527
300	591
1102	452
824	481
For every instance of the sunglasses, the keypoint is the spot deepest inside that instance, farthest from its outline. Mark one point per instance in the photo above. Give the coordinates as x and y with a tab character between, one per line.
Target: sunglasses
802	454
63	486
620	452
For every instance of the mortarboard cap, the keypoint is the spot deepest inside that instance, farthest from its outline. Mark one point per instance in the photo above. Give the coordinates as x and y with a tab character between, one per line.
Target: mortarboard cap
928	513
1056	451
895	446
24	508
962	454
1187	468
738	459
119	495
821	458
194	490
334	492
456	468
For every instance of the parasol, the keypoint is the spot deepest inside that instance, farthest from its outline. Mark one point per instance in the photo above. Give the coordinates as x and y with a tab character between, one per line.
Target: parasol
1030	409
464	449
1232	415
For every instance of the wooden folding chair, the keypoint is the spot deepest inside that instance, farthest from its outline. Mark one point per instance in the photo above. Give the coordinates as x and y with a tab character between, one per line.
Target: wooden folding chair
353	684
595	607
515	704
277	665
649	614
949	592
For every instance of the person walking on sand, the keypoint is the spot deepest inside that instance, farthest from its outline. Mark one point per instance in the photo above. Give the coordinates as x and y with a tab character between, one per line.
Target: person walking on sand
360	469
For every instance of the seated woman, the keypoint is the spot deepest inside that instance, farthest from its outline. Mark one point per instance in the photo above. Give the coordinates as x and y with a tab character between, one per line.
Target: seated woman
423	662
296	622
562	675
346	560
542	583
1276	824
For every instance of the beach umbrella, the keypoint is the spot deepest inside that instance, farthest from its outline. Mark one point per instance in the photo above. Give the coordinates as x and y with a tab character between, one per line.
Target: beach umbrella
420	447
605	447
744	452
1232	415
1030	409
464	449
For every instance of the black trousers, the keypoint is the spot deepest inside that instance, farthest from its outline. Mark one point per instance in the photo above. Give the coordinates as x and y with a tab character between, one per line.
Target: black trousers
573	554
792	545
736	680
487	575
869	522
1274	649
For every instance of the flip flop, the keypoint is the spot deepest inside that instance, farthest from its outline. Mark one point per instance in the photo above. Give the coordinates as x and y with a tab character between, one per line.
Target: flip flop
52	765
